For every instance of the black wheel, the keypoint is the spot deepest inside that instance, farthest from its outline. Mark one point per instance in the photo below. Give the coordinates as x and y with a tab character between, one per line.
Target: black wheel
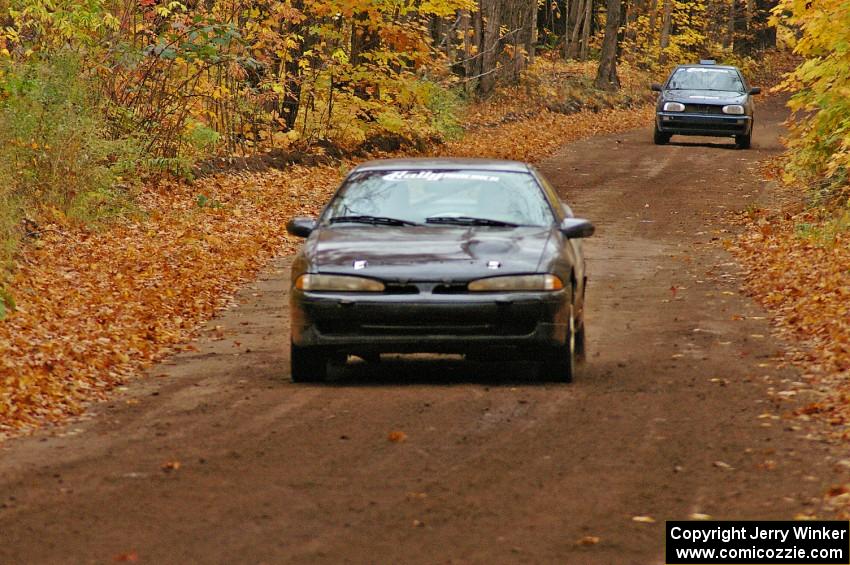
581	344
307	364
561	364
660	138
743	141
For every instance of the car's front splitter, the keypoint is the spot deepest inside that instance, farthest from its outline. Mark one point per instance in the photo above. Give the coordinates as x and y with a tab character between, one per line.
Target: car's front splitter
703	124
430	323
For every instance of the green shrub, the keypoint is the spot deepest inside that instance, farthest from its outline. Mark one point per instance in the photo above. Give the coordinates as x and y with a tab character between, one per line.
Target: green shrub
445	105
58	159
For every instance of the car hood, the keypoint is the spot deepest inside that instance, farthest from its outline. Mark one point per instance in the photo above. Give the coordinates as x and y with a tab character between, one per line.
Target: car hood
705	97
428	253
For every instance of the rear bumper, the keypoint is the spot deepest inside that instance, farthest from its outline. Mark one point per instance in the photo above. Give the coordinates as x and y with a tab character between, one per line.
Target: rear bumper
679	123
429	323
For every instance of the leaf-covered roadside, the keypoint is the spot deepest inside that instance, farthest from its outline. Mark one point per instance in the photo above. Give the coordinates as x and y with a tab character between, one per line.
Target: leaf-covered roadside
93	308
797	260
798	267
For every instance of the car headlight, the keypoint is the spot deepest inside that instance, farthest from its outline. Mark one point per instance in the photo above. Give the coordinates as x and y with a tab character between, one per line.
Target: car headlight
516	283
735	109
674	107
337	283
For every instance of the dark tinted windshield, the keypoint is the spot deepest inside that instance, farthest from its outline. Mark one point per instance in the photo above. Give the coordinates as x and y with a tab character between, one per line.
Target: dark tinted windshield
420	195
706	78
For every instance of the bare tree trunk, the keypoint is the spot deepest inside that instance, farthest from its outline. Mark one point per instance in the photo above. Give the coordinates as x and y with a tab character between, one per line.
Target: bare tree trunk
606	75
577	19
740	25
666	22
730	26
489	46
292	71
566	29
765	34
585	34
466	45
752	29
531	44
633	9
653	15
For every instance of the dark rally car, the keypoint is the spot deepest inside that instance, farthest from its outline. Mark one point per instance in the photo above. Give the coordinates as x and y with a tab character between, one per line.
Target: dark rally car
705	99
439	256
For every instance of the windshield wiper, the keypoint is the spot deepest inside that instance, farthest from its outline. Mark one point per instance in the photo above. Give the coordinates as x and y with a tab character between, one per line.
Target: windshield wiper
373	220
469	221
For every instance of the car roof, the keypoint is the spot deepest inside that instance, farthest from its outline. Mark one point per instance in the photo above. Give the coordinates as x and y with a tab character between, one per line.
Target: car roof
430	163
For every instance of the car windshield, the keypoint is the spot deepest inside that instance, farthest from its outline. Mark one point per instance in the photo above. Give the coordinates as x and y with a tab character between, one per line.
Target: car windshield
467	197
699	78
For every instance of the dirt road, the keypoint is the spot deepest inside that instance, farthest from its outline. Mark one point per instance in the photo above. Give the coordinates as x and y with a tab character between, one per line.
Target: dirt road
495	467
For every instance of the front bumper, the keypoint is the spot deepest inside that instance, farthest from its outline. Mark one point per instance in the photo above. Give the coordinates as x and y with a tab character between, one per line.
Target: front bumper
681	123
427	323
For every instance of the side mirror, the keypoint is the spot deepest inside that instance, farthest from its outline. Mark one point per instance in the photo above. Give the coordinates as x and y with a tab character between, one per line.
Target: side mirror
755	90
573	228
655	87
301	226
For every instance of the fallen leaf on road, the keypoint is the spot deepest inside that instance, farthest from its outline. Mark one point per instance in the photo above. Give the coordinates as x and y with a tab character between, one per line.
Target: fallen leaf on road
699	516
835	491
643	519
723	465
130	557
169	466
588	540
397	437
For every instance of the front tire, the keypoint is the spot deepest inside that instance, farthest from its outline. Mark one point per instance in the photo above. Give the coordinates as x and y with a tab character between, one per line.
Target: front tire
660	138
581	344
307	364
562	362
743	141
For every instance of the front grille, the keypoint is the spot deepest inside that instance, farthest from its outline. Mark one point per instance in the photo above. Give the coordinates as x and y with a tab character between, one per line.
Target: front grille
452	288
391	328
398	288
705	123
703	109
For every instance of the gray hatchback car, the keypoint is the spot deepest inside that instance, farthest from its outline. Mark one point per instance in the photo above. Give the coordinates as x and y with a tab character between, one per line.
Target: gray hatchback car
705	99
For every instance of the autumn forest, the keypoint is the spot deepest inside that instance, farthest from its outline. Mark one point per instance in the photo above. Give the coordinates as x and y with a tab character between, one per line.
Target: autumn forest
152	152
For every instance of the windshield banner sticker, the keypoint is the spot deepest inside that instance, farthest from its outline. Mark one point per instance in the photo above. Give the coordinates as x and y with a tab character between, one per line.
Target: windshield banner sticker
437	176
